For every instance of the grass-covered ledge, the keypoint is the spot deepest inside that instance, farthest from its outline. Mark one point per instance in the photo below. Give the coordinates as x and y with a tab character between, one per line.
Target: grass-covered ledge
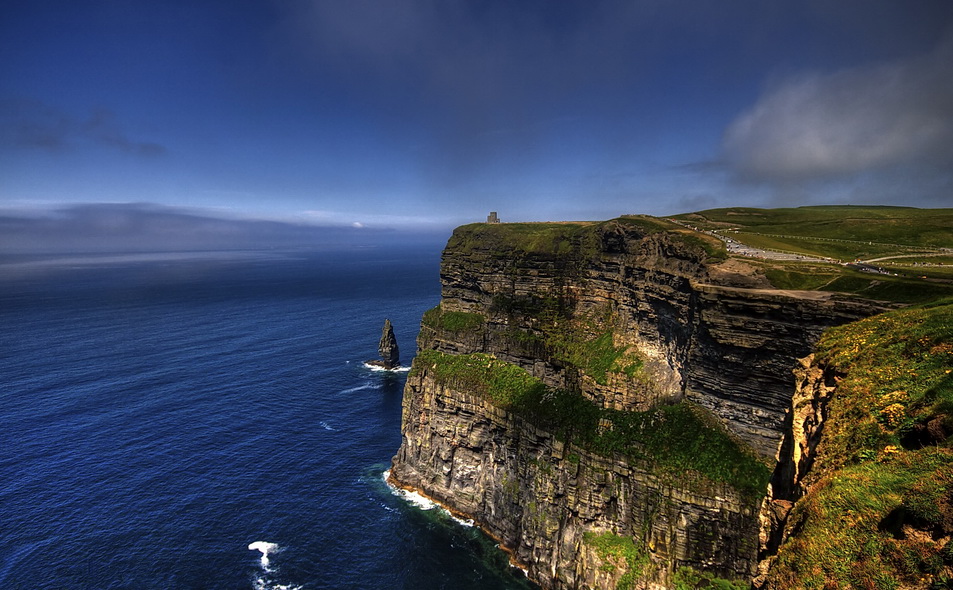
674	437
454	322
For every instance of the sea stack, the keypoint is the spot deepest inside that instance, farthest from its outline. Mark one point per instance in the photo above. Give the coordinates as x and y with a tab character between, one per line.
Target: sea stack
390	354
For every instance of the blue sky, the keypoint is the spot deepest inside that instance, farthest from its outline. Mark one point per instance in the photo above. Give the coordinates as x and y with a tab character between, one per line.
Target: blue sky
430	113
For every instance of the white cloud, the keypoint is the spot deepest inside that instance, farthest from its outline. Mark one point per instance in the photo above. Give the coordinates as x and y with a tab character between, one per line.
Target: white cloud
865	119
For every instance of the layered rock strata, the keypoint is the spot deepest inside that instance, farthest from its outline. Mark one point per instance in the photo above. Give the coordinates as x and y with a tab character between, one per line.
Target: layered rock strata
684	325
729	348
539	496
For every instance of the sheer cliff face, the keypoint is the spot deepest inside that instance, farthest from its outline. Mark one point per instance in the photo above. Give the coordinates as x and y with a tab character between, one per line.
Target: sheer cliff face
557	301
701	336
540	496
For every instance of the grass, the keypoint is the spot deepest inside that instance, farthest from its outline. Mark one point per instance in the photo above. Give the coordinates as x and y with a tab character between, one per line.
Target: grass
713	247
908	350
904	226
506	385
852	525
572	244
845	233
845	251
803	276
454	322
676	438
617	551
585	343
595	357
558	240
877	472
827	277
687	578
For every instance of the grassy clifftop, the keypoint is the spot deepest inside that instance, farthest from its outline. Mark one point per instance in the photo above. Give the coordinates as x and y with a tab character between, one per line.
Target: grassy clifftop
578	240
879	513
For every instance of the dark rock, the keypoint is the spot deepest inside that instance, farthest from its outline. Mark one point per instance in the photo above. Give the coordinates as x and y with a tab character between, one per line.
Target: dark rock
390	353
931	432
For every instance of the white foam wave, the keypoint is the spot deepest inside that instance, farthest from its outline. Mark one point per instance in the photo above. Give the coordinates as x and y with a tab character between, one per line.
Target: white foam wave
383	370
416	499
423	502
413	497
266	549
327	426
360	388
263	584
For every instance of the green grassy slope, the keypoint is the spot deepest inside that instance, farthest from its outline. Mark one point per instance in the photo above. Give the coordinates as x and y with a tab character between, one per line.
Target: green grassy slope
880	513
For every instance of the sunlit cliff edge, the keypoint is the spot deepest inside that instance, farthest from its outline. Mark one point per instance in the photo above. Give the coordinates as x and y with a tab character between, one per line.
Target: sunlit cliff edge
625	405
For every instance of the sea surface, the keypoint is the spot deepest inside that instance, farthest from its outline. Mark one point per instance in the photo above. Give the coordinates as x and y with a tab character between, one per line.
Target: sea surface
205	421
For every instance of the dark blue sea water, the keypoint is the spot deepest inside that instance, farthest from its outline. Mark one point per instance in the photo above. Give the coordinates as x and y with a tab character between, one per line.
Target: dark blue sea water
159	415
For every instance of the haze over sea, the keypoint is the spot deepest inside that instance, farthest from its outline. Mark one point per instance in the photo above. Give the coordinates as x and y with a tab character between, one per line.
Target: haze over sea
163	413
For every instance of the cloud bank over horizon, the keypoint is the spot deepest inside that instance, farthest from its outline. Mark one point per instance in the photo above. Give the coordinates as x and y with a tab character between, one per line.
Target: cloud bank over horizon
96	228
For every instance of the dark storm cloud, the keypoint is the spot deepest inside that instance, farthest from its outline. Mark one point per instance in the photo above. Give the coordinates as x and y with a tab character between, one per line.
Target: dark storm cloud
879	118
496	90
488	67
31	124
486	80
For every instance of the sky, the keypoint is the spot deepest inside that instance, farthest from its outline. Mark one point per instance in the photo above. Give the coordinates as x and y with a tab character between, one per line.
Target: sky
426	114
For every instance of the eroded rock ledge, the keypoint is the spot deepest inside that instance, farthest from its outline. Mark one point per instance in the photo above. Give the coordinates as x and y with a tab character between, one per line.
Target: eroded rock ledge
627	314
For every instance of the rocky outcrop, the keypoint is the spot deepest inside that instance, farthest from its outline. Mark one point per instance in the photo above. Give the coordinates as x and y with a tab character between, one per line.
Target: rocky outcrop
814	385
390	353
630	314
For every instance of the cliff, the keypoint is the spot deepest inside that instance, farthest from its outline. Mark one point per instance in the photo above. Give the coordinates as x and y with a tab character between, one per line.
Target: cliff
607	399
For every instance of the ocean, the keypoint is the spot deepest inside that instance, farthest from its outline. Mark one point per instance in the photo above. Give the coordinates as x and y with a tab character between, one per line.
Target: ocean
205	421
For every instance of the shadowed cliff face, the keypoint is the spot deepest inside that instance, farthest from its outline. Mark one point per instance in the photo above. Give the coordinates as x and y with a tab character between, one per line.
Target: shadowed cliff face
628	314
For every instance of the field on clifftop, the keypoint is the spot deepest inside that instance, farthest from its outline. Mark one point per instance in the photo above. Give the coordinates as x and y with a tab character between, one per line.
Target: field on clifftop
898	254
832	229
